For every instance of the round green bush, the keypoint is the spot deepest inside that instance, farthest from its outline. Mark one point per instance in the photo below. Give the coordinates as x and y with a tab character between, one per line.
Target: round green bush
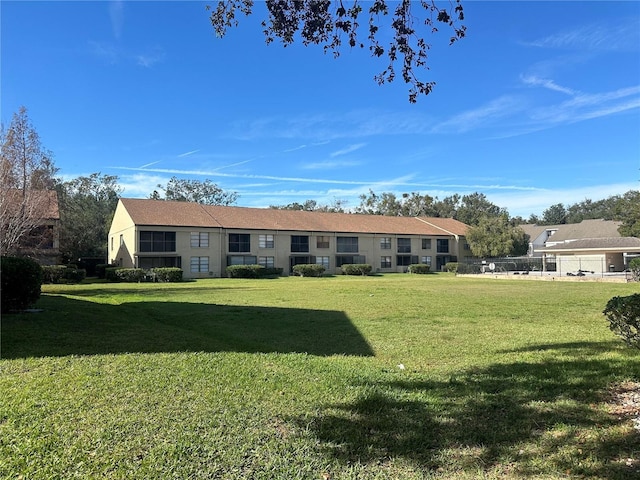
21	283
308	270
623	314
356	269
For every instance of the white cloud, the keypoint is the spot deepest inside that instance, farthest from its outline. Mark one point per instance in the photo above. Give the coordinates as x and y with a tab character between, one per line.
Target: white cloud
622	37
349	149
486	115
535	81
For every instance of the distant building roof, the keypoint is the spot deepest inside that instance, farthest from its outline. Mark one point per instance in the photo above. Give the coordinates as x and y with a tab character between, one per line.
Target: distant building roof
186	214
597	228
609	244
41	204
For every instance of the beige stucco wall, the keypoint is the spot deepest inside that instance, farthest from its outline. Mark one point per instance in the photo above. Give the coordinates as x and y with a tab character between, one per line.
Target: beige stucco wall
124	244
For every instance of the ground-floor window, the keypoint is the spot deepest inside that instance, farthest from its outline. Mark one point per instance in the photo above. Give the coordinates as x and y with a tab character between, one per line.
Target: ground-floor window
267	262
406	260
324	261
199	264
385	262
349	259
159	262
241	260
426	260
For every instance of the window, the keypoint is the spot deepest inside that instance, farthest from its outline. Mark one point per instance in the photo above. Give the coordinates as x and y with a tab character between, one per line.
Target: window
199	240
385	262
239	242
157	241
426	244
112	243
385	243
404	245
267	262
324	261
406	260
241	260
121	239
442	245
347	244
199	264
426	260
322	242
299	243
467	246
158	262
266	241
349	259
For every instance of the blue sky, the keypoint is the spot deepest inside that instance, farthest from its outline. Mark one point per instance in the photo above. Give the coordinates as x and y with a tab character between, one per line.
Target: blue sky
539	104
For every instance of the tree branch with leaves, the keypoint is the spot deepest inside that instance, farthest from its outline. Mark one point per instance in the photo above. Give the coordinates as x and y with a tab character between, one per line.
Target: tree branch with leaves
331	24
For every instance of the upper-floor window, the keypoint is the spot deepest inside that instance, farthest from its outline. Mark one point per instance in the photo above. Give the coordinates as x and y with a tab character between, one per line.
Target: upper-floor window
347	244
266	241
239	242
322	241
404	245
299	243
157	241
442	245
199	240
385	243
426	244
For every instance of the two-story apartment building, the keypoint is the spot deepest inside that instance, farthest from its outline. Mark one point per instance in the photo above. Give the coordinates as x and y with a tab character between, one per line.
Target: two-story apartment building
203	239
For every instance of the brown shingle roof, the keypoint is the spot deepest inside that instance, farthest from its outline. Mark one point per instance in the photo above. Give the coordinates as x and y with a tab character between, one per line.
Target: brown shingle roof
40	204
158	212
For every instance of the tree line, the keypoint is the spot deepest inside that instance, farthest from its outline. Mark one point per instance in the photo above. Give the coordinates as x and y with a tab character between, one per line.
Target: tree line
87	203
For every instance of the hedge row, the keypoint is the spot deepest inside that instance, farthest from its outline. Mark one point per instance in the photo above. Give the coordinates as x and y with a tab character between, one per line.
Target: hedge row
252	271
63	274
136	275
21	281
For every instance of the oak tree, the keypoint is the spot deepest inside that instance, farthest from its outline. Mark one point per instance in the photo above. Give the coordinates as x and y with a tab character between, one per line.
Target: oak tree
205	192
331	24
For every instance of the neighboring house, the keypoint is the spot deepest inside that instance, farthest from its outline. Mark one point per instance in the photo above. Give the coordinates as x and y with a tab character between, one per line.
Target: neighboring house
31	225
203	239
592	245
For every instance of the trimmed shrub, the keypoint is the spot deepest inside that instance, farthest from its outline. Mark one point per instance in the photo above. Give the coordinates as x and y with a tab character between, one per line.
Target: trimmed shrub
356	269
419	268
451	267
167	274
21	281
73	274
53	273
101	269
308	270
244	271
623	314
129	275
63	274
271	272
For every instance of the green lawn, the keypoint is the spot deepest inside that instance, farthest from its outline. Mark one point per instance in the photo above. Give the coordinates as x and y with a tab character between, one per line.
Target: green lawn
300	378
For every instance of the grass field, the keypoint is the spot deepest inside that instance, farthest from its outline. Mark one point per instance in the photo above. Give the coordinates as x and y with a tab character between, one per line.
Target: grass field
302	378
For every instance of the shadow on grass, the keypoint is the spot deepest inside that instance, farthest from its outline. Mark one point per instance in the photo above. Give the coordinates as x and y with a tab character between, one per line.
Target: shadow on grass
76	327
521	419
